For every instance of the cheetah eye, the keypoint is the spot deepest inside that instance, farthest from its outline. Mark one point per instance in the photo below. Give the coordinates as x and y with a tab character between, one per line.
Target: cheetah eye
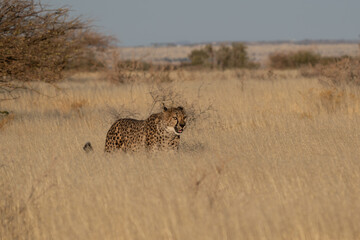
175	118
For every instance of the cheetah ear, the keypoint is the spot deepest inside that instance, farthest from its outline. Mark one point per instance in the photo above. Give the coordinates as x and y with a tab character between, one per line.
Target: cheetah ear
180	108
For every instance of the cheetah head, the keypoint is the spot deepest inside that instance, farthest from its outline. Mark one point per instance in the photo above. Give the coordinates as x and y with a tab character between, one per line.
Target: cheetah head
175	119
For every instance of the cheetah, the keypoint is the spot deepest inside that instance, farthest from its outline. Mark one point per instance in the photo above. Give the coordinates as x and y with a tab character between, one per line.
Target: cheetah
160	131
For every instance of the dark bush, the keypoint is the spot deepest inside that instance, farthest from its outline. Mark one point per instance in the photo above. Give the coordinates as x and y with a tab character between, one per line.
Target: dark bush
223	57
331	60
294	59
234	56
198	57
239	58
280	61
304	58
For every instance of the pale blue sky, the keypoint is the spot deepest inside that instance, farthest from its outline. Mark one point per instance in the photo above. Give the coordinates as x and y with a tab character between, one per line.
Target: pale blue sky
142	22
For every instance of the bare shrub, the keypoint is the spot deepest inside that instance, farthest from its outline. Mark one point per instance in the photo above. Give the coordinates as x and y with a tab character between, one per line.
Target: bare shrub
165	96
37	43
169	97
338	77
341	73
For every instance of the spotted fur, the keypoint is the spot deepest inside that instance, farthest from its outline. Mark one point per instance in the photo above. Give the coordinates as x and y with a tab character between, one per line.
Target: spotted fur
161	131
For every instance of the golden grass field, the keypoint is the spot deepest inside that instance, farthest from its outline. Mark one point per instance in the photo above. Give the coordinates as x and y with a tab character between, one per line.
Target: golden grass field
269	156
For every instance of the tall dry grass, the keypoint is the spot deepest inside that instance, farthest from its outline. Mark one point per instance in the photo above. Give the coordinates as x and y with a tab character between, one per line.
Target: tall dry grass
274	159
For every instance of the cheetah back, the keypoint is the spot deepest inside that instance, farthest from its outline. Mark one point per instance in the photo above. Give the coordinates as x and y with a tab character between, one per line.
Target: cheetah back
125	134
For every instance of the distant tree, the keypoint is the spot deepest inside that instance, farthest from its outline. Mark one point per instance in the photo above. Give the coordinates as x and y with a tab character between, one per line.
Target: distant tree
198	57
211	55
303	58
223	57
234	56
239	58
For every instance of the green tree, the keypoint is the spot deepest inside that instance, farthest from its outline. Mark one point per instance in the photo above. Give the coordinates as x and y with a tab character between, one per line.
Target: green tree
239	58
198	57
223	57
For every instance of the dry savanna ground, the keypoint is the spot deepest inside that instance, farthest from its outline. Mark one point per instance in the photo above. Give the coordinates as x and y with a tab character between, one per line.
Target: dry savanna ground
266	156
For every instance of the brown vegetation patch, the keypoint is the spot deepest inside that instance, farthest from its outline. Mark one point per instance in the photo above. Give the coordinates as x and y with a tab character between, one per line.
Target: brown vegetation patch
6	119
72	106
341	73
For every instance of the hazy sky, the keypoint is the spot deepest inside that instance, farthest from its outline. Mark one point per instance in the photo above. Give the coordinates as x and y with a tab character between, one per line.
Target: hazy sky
142	22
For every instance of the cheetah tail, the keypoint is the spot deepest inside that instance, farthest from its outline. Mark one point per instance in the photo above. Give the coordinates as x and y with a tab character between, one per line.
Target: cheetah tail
88	148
